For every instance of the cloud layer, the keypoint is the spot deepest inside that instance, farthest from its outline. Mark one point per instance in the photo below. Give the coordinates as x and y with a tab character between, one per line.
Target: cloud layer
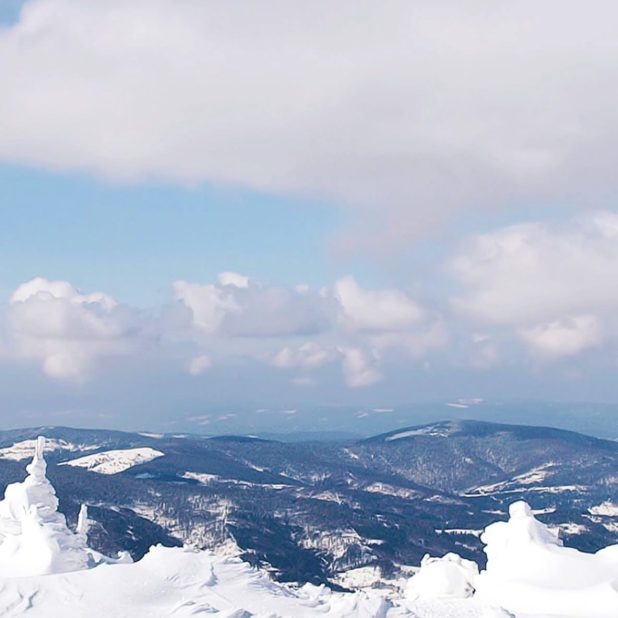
410	115
66	331
345	324
410	112
540	291
555	285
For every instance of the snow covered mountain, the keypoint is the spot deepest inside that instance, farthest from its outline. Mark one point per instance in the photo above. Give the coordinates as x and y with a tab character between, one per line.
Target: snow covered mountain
48	570
115	461
327	512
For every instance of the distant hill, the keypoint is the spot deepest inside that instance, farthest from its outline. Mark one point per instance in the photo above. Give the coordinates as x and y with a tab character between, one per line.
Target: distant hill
311	510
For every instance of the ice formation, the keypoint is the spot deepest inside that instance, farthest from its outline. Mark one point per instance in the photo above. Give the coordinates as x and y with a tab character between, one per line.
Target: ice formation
529	571
47	571
34	537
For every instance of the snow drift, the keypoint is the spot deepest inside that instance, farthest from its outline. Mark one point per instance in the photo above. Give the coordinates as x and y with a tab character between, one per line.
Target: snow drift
48	571
528	570
443	578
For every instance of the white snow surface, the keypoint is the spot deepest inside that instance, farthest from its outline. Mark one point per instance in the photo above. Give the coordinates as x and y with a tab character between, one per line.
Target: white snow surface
449	577
528	570
430	430
34	537
48	571
113	462
25	448
608	509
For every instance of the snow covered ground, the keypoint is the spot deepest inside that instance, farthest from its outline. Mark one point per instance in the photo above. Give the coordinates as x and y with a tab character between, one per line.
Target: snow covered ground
112	462
48	571
25	449
181	583
608	509
430	430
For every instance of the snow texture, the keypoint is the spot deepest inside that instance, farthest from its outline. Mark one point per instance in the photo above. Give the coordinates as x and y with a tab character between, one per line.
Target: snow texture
47	571
449	577
528	570
25	449
34	538
113	462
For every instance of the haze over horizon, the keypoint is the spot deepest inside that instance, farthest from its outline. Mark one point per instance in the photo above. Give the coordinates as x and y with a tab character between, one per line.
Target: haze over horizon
210	210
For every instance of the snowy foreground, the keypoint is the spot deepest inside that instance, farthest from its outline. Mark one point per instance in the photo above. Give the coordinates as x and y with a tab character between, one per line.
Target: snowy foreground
47	570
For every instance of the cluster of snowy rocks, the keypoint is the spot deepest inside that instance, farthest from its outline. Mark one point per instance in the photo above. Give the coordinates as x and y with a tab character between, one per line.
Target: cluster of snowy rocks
48	570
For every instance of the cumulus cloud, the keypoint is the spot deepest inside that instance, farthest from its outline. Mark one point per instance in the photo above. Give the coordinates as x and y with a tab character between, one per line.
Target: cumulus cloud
293	328
549	285
359	368
209	304
375	310
347	324
554	284
565	337
253	309
235	279
408	111
65	330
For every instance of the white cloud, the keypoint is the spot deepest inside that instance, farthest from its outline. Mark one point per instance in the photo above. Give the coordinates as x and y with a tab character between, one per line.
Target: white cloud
553	284
209	304
253	310
45	289
375	310
234	279
199	365
65	330
308	356
347	323
359	368
565	337
537	272
407	110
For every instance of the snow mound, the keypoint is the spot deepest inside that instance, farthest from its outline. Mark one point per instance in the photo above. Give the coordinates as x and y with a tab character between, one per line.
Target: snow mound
34	537
180	583
449	577
113	462
529	571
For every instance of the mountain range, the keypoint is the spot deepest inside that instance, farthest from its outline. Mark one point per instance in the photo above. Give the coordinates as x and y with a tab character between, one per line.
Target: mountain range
326	511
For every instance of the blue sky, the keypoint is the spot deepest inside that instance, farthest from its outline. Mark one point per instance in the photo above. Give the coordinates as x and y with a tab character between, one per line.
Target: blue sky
88	231
206	208
9	11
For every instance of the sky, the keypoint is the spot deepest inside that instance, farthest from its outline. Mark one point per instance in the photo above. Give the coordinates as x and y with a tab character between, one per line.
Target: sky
211	209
